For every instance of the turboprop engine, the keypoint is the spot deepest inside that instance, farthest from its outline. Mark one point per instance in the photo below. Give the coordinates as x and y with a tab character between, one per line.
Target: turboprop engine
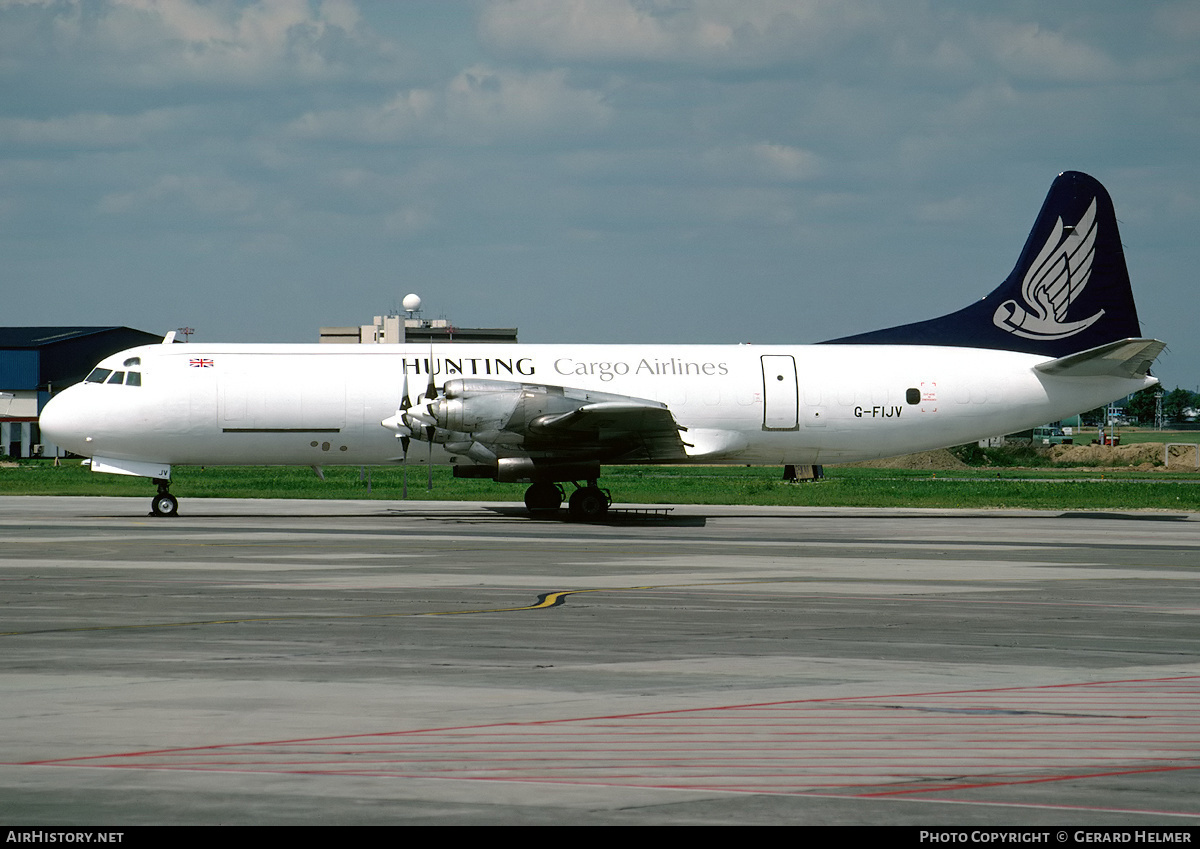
487	409
487	420
535	432
470	406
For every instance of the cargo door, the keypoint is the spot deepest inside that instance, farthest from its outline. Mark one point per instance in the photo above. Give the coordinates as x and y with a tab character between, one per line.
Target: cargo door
781	398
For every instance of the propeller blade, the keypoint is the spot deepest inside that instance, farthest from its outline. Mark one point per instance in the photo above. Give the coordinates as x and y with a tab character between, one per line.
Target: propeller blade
429	431
405	439
400	422
431	389
405	401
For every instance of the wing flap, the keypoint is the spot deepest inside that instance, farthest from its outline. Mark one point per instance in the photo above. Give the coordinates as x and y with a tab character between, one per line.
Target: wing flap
648	425
607	415
1124	358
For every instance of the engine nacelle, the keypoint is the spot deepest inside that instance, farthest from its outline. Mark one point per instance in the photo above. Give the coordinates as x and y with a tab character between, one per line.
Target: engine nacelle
469	406
528	470
477	406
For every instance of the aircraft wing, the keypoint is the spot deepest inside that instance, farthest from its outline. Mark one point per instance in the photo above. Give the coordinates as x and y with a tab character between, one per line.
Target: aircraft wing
644	428
1123	358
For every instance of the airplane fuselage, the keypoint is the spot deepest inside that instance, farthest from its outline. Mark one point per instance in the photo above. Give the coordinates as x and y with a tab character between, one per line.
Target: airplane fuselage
769	404
1058	336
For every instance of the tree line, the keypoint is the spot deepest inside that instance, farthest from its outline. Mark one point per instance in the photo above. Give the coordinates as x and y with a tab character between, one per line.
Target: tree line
1141	405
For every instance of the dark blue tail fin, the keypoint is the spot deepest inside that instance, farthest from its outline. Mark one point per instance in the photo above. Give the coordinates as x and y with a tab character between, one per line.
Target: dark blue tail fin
1069	291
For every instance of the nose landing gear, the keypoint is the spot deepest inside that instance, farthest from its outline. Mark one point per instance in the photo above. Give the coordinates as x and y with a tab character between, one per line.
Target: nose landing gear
164	504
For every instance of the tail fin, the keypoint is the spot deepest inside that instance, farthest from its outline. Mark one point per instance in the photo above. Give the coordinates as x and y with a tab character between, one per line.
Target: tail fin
1068	292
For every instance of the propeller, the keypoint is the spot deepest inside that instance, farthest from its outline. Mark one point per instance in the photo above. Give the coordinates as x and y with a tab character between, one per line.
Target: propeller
416	421
400	424
405	439
430	397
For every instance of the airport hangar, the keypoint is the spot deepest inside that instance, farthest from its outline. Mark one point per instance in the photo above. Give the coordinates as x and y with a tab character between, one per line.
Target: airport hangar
36	362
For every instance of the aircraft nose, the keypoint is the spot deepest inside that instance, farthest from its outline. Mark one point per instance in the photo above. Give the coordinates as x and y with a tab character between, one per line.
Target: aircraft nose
62	422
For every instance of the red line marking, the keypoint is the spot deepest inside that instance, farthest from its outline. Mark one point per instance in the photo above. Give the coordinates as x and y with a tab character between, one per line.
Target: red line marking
1041	780
868	746
643	715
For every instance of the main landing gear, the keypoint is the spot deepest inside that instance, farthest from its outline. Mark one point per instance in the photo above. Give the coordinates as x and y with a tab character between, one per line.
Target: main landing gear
544	497
589	503
164	504
586	504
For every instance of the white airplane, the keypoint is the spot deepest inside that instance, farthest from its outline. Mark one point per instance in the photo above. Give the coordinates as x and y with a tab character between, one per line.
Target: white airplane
1060	335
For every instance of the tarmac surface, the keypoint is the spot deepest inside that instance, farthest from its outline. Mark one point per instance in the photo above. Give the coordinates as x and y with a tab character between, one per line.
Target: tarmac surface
389	662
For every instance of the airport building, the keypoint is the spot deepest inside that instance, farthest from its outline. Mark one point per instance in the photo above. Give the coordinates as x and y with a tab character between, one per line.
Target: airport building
395	329
36	362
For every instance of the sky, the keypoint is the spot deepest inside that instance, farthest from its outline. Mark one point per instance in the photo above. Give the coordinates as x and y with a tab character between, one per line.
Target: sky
679	171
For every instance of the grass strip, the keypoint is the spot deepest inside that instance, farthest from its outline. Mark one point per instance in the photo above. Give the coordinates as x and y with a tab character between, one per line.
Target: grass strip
1048	489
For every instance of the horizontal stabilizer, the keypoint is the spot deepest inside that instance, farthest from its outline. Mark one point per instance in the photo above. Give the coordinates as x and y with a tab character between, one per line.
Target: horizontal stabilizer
1125	358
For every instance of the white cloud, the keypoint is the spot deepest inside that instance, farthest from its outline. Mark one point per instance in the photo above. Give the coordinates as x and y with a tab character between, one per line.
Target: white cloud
1179	21
937	43
408	221
784	162
953	210
1029	51
762	161
94	129
579	29
483	102
750	33
408	115
158	43
210	196
480	105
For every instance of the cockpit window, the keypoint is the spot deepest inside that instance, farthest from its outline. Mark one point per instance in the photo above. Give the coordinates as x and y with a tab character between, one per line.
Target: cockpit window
132	361
107	375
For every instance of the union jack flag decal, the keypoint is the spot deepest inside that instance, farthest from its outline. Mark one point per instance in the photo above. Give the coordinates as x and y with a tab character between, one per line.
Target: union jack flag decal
201	362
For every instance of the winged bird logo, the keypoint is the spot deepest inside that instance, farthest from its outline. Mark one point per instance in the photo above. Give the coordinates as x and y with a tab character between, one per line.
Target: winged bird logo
1054	280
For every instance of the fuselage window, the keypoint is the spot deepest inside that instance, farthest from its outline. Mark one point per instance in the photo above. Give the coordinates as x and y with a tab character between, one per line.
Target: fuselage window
913	396
134	378
98	375
132	361
118	377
